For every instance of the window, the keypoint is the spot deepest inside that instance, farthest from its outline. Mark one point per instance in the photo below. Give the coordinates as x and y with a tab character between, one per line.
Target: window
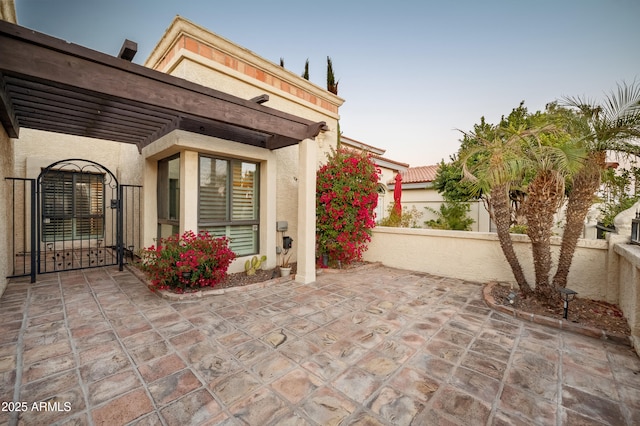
380	207
168	197
229	202
72	206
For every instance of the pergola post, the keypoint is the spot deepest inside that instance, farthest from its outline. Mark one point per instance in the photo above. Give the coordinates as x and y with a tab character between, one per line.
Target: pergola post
306	272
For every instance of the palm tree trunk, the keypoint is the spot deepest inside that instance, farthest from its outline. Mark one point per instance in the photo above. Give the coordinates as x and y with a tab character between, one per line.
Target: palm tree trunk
502	219
540	248
585	185
544	195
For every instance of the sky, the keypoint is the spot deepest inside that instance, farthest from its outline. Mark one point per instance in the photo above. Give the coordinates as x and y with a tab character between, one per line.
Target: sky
413	73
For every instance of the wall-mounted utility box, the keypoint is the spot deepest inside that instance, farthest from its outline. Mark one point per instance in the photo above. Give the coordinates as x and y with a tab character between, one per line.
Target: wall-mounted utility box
282	225
287	242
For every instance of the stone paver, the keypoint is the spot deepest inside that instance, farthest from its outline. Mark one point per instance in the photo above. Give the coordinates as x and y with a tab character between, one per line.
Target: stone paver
374	346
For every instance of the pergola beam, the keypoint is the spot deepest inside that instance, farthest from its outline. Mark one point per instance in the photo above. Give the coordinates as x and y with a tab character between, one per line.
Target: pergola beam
37	69
7	113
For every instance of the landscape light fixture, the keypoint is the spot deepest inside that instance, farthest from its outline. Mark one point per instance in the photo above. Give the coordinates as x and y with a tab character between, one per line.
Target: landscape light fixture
512	297
567	296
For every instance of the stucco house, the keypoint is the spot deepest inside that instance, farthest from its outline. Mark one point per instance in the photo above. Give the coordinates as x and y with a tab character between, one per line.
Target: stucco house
418	192
388	168
207	135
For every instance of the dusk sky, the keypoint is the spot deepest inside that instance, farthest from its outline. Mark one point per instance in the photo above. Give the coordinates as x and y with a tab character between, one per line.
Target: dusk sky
411	71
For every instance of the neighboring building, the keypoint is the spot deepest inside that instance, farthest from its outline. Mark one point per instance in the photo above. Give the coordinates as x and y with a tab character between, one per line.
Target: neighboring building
418	192
389	168
417	187
217	138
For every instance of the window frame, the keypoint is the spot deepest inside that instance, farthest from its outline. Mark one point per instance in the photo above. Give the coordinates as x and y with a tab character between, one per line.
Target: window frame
164	204
58	233
229	222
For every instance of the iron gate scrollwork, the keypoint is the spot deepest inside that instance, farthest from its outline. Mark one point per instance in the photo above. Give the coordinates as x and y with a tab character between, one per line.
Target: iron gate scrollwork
79	217
75	215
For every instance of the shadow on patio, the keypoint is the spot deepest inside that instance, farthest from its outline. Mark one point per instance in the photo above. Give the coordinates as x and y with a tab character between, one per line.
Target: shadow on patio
372	346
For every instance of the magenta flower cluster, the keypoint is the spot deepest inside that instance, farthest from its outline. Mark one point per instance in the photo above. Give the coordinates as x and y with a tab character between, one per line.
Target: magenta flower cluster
187	262
346	198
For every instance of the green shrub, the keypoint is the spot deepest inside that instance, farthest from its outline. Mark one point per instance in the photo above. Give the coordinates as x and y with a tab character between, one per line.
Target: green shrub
408	219
452	215
518	229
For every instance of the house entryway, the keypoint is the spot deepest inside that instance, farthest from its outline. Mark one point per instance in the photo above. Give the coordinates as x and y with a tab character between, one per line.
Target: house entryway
75	215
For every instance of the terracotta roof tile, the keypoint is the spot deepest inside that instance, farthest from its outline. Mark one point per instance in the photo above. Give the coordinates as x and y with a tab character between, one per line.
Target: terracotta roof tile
418	174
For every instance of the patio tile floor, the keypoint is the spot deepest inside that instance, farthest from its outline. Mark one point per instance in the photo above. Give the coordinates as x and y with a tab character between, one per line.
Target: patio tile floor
375	346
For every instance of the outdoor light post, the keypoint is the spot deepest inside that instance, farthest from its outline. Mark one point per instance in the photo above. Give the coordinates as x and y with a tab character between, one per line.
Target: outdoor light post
567	296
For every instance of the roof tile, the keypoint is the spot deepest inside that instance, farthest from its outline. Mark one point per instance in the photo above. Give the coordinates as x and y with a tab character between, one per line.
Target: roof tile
418	174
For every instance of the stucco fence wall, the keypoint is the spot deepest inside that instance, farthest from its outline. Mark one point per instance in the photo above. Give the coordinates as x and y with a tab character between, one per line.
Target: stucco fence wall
626	258
477	256
601	270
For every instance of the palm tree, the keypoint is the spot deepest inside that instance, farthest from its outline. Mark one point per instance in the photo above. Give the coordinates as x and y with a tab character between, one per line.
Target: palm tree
536	161
612	126
494	176
550	164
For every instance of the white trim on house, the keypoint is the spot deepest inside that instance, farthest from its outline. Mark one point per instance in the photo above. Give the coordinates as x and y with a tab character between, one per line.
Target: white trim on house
417	185
389	164
362	146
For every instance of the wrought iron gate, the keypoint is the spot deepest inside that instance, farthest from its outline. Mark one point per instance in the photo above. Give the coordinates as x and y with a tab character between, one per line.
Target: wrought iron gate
21	193
75	215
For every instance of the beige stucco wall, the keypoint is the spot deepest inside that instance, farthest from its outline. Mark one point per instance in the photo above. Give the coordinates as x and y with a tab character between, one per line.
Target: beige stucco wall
186	49
6	170
8	11
477	256
36	149
628	261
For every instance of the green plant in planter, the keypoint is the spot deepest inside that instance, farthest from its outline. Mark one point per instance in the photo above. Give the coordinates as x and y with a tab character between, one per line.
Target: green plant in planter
285	261
253	264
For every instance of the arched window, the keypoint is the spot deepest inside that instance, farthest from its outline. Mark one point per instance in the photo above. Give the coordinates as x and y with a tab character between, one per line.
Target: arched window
382	190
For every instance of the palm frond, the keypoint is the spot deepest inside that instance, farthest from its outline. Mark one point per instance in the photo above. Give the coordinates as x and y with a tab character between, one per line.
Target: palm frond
623	104
615	123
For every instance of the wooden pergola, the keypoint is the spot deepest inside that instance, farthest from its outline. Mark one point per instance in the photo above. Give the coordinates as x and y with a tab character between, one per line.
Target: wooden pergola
49	84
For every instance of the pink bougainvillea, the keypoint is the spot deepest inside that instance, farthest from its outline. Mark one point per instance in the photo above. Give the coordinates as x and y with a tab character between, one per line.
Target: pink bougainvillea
346	198
187	262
